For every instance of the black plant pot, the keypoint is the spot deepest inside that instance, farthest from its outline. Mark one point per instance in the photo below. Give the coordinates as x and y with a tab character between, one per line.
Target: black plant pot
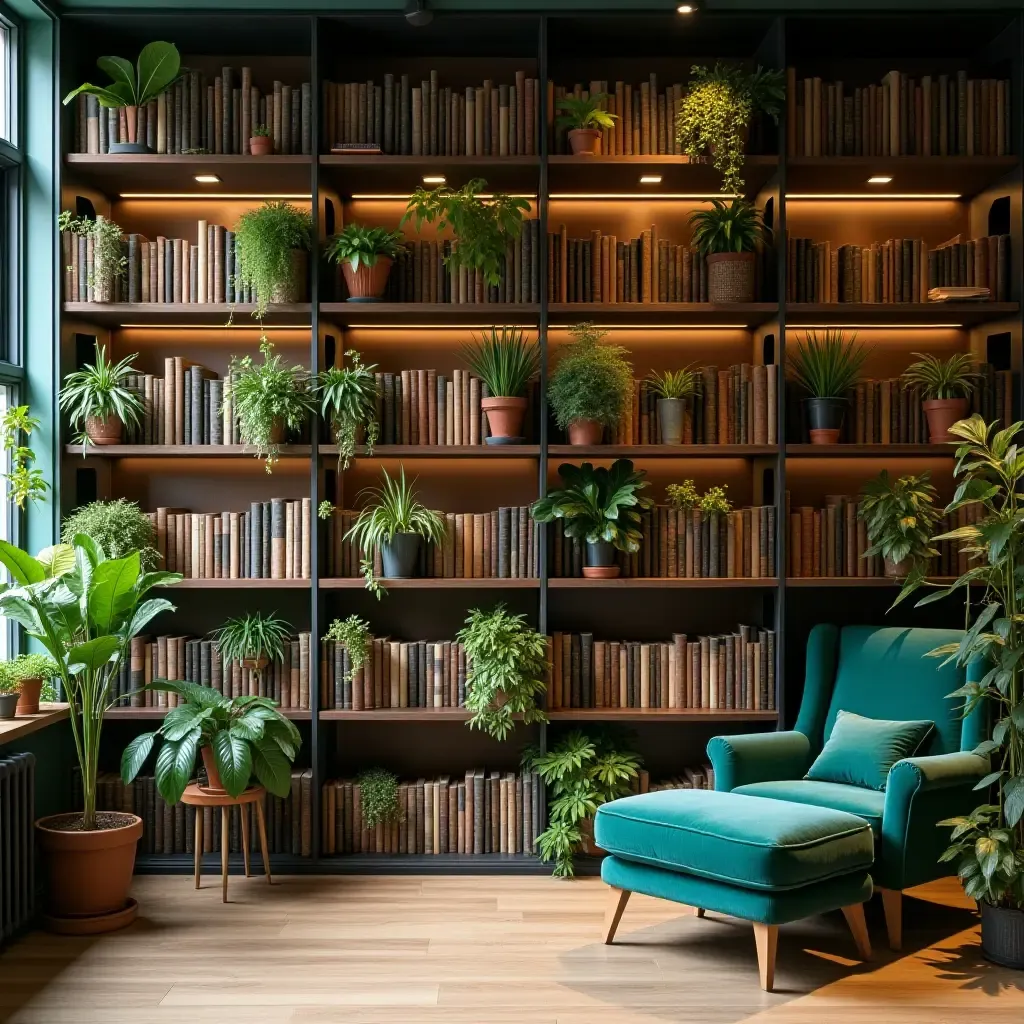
400	556
600	553
8	704
1002	935
825	418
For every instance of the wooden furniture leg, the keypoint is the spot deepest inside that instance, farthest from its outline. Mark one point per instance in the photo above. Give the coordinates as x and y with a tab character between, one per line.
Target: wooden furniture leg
892	904
224	841
618	898
261	821
698	911
766	938
199	845
243	812
854	915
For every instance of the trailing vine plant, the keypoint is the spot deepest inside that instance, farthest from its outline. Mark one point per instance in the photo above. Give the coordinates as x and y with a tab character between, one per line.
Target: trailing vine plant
354	635
25	482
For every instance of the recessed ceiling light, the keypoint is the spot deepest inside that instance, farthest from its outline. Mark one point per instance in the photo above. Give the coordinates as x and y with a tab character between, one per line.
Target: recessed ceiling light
685	9
208	179
650	179
434	179
879	179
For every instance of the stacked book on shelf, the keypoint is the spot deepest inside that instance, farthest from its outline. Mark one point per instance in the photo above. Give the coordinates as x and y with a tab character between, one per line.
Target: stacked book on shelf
196	660
726	671
930	115
202	115
484	812
168	830
688	543
701	777
896	270
502	544
270	541
425	118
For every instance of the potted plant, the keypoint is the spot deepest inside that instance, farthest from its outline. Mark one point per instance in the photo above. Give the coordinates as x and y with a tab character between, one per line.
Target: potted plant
118	526
714	115
683	497
158	68
581	773
354	635
83	609
109	261
378	798
900	517
99	402
365	256
827	366
672	387
483	228
10	692
261	143
946	386
348	401
590	385
28	673
253	640
506	669
238	738
585	119
726	236
25	482
601	507
269	399
506	362
395	521
272	242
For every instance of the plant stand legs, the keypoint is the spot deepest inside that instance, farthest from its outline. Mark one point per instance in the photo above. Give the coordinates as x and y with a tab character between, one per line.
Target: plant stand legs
199	846
261	821
243	813
766	938
892	904
618	898
225	833
854	915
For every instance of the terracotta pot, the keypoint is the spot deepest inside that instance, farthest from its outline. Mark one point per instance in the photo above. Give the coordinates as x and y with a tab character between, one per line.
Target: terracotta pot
131	143
898	569
585	432
213	783
589	846
731	277
825	419
600	561
261	145
278	432
585	141
88	874
504	415
28	703
294	289
100	432
942	413
366	284
255	664
9	705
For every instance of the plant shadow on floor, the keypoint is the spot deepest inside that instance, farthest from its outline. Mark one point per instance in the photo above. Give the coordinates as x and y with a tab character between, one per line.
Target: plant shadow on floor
966	968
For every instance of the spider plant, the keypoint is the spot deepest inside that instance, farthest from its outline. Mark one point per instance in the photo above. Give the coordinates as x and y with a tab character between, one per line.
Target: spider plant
348	399
504	360
828	364
253	640
96	397
669	384
942	378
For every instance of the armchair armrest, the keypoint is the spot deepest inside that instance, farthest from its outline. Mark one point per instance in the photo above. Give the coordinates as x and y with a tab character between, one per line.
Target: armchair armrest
925	774
758	757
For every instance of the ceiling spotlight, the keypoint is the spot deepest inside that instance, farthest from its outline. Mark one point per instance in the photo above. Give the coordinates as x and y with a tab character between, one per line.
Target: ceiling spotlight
208	179
434	179
416	13
879	179
686	8
650	179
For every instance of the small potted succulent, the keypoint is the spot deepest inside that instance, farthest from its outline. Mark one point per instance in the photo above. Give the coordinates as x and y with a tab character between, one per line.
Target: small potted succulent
672	387
29	673
600	507
119	527
108	261
946	386
348	401
900	517
590	386
827	366
365	256
585	119
261	142
272	243
98	401
726	236
506	362
253	640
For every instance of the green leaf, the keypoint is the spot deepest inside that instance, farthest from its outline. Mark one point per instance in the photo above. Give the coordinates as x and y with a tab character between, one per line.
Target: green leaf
135	754
147	611
987	851
159	65
24	569
112	592
174	766
988	780
57	560
93	654
109	96
121	71
234	761
272	768
14	606
1013	800
182	720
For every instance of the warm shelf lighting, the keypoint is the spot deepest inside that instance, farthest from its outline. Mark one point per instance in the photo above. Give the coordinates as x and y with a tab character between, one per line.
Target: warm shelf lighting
404	196
220	195
874	195
650	179
871	327
880	179
434	179
216	327
658	327
208	179
699	196
430	327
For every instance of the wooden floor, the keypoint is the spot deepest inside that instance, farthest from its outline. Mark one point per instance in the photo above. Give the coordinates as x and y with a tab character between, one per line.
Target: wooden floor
480	950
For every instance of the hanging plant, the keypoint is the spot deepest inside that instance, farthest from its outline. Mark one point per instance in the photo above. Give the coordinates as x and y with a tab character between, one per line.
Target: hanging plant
268	240
354	635
348	400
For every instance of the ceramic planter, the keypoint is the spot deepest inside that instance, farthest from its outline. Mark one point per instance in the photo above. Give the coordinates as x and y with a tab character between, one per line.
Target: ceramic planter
585	141
366	284
585	432
942	413
294	289
600	561
898	569
28	703
825	419
731	277
504	417
1002	935
132	145
670	420
261	145
8	704
278	432
401	556
104	431
213	783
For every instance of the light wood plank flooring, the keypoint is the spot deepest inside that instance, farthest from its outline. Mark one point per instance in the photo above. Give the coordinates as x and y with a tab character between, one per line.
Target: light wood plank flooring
479	950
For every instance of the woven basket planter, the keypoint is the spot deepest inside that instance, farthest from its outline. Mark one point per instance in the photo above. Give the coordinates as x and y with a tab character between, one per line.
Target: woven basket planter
731	277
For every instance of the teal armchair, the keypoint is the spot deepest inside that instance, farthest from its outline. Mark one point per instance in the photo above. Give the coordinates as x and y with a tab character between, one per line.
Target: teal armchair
877	673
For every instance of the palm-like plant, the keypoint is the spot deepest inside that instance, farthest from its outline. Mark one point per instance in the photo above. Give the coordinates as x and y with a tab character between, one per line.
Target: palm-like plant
504	360
584	112
98	392
732	227
828	364
942	378
348	399
358	245
674	383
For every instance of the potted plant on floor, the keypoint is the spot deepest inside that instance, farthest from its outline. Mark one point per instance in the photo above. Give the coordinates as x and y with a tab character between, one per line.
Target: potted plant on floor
253	640
29	673
600	507
348	401
900	516
261	143
946	386
394	520
119	527
272	242
238	738
83	609
109	261
672	387
269	399
354	635
378	798
581	772
727	236
590	386
506	362
714	115
25	482
506	669
483	228
827	366
585	118
158	68
99	402
365	256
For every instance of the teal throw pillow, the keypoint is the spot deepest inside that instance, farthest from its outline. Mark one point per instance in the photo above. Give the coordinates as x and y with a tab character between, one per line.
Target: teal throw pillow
861	750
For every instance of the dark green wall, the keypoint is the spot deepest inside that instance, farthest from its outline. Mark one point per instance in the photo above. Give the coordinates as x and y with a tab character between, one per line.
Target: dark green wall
54	748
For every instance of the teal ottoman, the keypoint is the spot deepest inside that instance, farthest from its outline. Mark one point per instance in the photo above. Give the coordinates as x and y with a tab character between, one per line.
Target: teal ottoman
765	861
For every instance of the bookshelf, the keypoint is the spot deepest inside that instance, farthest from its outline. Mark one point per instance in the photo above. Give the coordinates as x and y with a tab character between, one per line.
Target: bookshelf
819	197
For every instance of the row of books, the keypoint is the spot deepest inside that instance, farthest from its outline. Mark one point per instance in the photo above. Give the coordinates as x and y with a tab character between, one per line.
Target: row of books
897	270
501	544
426	118
702	777
729	670
269	541
200	115
484	812
690	544
168	829
930	115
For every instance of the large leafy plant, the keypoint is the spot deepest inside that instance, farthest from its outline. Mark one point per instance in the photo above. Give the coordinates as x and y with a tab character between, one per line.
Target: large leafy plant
25	482
348	400
942	378
727	227
504	360
828	364
900	516
265	238
591	381
100	391
598	504
119	527
584	112
83	609
158	68
359	245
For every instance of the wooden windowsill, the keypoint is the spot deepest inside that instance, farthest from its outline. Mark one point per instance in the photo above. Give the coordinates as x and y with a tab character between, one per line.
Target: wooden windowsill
25	725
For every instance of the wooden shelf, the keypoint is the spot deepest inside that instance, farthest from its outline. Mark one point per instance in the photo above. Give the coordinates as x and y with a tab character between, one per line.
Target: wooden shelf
425	583
261	584
24	725
662	451
663	583
428	314
397	715
861	451
439	451
858	581
182	451
151	714
903	314
186	314
661	715
384	174
672	314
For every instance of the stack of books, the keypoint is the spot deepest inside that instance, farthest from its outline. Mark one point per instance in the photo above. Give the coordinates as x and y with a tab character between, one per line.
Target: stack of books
702	777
